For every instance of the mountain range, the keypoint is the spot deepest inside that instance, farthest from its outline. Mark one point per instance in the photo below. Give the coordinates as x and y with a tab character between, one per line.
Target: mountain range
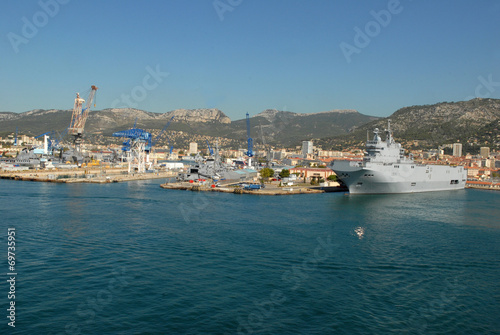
281	128
475	122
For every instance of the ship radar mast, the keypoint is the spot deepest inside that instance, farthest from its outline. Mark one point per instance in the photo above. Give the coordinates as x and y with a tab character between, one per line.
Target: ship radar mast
376	138
388	132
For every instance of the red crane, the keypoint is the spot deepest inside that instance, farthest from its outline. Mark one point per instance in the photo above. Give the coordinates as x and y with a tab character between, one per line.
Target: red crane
79	116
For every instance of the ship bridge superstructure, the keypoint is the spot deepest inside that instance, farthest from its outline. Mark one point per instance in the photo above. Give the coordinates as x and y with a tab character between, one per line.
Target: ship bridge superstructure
387	152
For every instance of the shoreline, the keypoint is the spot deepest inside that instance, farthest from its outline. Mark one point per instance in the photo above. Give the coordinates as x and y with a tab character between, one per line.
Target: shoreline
268	190
483	186
115	175
96	176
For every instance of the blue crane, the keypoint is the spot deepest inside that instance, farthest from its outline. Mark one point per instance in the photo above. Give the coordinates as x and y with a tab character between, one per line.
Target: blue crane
249	152
126	144
47	142
47	133
171	146
160	136
129	134
56	142
137	139
210	149
134	134
15	138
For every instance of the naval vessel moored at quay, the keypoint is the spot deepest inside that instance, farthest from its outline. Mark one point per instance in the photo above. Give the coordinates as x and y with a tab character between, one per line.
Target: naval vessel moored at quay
385	169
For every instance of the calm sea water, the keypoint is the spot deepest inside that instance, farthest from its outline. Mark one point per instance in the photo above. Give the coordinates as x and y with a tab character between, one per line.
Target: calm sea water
132	258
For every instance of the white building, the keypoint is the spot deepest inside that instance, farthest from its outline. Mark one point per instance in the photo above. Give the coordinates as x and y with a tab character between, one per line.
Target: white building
307	148
490	163
457	149
193	148
330	153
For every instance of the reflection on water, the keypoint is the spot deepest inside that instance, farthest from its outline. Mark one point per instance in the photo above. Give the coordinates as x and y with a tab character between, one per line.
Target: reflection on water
360	232
445	207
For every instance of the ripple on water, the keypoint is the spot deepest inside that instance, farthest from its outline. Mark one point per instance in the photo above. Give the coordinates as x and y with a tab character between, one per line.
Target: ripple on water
123	258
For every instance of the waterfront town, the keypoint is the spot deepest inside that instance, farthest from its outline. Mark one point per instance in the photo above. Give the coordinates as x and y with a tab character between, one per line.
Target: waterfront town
308	162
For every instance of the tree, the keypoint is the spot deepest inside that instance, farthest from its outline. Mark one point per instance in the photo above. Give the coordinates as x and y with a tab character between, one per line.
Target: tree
285	173
266	173
332	177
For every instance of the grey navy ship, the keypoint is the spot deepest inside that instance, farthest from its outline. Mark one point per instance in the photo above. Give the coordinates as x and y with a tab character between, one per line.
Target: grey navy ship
213	168
385	169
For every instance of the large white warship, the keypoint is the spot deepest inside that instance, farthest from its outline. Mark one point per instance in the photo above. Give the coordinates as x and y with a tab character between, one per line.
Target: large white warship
385	169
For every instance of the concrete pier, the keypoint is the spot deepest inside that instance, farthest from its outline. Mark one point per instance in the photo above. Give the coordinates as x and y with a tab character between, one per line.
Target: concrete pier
270	189
87	175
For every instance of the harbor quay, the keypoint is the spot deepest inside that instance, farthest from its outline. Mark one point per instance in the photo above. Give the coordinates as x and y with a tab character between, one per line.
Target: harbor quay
237	187
483	185
120	174
90	175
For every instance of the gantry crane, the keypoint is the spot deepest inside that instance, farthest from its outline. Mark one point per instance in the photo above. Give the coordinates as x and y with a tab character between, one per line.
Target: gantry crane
136	153
79	116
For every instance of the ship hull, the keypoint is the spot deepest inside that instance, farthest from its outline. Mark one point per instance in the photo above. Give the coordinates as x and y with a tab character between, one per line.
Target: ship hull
378	178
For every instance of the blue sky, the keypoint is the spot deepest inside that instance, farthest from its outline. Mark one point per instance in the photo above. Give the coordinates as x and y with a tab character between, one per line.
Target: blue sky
248	55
